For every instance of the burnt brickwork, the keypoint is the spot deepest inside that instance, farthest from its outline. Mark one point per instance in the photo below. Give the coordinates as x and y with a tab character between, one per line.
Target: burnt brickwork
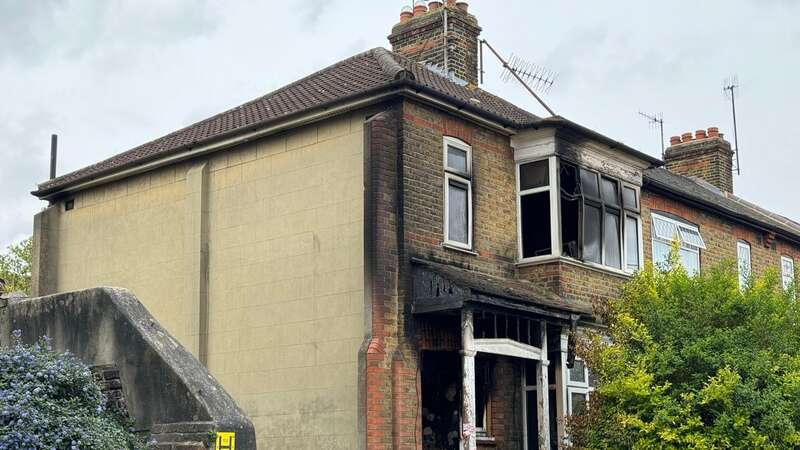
422	39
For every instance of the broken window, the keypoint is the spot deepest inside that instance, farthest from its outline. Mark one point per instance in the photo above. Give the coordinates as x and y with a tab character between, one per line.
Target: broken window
458	193
598	215
483	379
668	231
535	208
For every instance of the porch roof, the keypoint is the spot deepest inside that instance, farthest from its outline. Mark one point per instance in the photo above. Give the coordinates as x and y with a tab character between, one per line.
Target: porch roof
441	288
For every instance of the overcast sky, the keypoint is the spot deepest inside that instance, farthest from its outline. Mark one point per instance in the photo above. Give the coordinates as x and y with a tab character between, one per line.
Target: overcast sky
109	75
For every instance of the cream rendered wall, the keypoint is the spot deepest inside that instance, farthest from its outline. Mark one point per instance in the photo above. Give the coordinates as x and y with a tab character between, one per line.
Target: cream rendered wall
285	271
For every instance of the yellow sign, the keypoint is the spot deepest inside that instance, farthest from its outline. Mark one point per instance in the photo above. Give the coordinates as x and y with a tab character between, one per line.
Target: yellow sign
226	441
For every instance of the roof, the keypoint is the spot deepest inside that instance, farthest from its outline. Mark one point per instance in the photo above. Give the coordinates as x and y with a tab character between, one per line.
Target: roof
466	285
357	76
722	202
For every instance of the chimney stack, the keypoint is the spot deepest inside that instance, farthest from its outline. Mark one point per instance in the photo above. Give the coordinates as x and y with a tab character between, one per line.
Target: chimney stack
421	36
705	155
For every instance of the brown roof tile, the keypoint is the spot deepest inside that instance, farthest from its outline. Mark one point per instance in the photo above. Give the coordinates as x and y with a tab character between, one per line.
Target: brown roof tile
358	75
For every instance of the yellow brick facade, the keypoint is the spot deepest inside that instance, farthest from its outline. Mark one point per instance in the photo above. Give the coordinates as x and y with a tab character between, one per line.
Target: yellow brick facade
283	232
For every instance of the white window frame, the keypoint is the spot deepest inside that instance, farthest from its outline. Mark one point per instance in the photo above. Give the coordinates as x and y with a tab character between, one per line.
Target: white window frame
744	277
636	215
555	208
461	178
677	238
577	387
787	276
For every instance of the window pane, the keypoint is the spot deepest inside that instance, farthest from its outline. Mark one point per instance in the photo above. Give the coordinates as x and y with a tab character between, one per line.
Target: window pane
690	259
578	372
787	272
610	191
589	184
457	159
744	263
591	234
535	212
664	229
533	175
458	215
690	236
578	402
631	243
629	198
611	240
661	253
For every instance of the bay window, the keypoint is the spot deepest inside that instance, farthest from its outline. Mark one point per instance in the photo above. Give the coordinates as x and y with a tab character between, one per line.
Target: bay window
567	210
668	231
457	193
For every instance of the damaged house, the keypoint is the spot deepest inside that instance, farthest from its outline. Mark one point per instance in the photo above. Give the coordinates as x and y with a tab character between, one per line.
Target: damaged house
382	256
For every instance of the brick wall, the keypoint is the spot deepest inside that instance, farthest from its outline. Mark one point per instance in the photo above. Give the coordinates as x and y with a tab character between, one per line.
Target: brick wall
719	234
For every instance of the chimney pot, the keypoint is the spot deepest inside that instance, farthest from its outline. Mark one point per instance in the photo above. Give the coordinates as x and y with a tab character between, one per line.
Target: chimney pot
700	134
406	13
463	6
674	140
434	5
704	155
686	137
451	3
420	8
713	132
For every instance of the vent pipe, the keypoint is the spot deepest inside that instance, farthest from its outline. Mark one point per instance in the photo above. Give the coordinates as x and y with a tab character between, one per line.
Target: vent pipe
53	154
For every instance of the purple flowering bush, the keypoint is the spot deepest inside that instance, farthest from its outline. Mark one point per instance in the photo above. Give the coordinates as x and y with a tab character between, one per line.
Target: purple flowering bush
49	400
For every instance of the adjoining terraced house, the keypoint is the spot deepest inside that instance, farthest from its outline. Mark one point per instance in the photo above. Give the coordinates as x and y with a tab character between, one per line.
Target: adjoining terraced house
383	255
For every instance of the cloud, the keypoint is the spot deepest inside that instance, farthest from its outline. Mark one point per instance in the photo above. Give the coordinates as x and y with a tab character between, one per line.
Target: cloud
36	31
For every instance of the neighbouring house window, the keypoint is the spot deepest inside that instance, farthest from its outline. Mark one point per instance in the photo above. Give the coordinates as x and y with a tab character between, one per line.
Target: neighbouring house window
597	215
787	271
578	387
668	231
69	205
535	207
745	267
457	193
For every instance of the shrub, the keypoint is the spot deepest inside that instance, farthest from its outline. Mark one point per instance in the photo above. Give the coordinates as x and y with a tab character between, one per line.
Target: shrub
695	362
49	400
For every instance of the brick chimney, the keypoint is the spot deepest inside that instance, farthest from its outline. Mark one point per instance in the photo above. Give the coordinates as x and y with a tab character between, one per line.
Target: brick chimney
420	35
705	155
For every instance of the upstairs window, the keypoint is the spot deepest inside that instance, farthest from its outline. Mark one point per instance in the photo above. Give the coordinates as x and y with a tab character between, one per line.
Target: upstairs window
667	231
595	216
535	208
745	267
787	272
457	193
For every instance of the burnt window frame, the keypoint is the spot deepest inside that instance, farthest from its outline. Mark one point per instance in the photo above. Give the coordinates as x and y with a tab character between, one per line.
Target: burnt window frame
453	175
552	189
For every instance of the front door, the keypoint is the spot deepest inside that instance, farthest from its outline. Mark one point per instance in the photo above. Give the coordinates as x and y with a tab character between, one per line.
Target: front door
531	407
441	400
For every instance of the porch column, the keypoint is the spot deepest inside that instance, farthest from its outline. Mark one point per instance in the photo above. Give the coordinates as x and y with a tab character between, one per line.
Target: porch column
468	438
543	390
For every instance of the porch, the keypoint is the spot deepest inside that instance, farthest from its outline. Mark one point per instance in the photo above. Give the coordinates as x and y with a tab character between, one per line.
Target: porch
515	377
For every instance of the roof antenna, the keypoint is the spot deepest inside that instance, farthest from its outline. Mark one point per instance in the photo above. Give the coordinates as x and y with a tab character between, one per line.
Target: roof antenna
53	154
656	120
521	70
729	87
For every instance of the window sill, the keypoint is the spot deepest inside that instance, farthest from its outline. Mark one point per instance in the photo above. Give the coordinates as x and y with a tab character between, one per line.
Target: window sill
459	249
486	441
577	263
